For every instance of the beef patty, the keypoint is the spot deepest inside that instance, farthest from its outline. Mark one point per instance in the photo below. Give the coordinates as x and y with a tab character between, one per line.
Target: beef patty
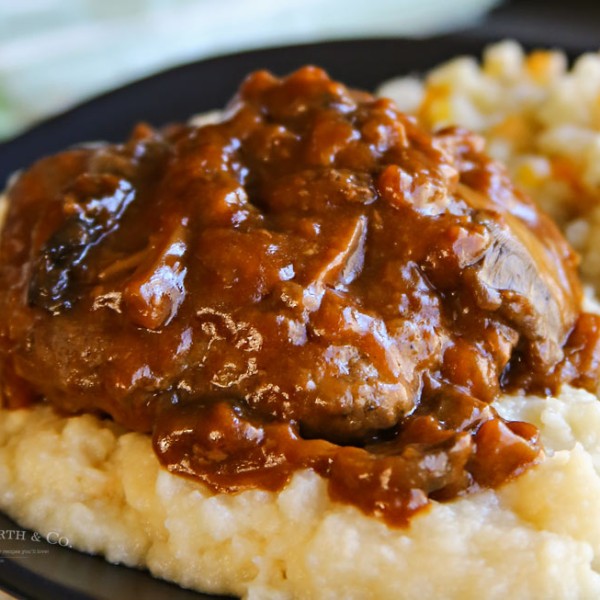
313	281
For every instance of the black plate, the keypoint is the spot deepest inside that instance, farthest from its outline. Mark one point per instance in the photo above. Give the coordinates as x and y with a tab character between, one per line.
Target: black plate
54	572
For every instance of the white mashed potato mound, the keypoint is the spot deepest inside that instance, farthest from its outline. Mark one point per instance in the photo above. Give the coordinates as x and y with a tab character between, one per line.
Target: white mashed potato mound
535	537
103	489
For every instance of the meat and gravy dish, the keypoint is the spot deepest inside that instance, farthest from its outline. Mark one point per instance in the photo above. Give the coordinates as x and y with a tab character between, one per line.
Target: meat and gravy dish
313	283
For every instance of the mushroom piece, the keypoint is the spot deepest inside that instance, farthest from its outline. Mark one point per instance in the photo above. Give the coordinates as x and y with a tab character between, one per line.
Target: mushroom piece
522	274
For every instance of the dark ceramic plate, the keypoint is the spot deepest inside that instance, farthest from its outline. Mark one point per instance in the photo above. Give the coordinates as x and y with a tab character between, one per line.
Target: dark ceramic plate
38	570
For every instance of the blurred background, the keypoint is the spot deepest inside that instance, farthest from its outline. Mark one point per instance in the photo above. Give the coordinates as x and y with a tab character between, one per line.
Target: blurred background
56	53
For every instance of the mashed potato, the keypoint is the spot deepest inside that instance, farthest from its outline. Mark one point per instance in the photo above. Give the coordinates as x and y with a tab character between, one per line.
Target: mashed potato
536	537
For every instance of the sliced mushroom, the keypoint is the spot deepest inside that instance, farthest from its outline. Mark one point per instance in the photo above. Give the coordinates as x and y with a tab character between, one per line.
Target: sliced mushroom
522	274
92	207
156	290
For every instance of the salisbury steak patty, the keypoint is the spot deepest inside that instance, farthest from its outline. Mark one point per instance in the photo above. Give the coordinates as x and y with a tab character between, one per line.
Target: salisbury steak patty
314	259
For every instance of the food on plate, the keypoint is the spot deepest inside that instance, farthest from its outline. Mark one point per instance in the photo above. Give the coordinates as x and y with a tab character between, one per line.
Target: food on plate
307	331
313	282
